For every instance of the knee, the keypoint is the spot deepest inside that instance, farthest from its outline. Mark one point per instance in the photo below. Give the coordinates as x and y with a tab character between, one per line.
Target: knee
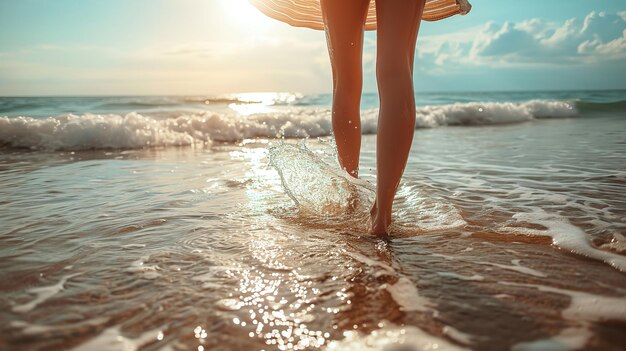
393	72
348	85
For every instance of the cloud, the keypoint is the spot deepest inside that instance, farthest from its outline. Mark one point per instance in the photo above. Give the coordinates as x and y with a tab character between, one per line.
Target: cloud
509	40
589	51
598	38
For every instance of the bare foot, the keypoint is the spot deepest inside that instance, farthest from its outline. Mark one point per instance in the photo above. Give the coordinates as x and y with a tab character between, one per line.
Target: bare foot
379	223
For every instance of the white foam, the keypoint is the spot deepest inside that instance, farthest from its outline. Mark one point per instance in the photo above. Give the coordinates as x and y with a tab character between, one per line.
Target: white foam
475	277
618	243
446	257
457	335
567	340
35	329
425	212
111	339
43	293
392	338
30	329
133	130
591	307
148	271
487	113
370	262
566	236
133	246
405	294
517	267
502	296
230	304
584	308
89	132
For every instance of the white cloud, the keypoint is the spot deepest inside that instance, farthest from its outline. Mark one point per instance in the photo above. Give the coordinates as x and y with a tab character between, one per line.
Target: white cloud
597	38
614	48
484	56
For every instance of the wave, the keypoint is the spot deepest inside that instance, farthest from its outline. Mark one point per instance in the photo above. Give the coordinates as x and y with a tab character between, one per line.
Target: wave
588	106
276	99
134	130
218	100
137	104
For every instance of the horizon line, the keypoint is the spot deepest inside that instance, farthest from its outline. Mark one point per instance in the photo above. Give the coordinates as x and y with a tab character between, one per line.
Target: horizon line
295	92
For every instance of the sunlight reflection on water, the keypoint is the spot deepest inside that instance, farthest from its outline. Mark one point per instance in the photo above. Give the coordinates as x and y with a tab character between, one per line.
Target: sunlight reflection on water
202	249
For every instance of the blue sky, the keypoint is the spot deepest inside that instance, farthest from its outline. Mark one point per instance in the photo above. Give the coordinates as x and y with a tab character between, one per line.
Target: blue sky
146	47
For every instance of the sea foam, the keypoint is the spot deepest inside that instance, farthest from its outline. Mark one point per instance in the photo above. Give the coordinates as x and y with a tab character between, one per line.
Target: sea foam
566	236
134	130
392	337
584	309
43	294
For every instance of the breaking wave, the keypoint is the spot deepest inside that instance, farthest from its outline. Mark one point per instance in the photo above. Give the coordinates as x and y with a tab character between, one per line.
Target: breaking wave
135	130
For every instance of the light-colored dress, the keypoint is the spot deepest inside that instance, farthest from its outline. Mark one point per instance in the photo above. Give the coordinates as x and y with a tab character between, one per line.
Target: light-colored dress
308	13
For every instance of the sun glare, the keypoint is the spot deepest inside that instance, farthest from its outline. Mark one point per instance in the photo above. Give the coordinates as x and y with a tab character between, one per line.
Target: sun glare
251	103
243	13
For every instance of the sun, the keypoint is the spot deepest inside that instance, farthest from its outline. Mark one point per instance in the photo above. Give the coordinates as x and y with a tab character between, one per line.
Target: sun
243	13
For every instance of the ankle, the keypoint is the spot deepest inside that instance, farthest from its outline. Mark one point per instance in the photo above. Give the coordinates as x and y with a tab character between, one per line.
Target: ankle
379	225
352	171
377	215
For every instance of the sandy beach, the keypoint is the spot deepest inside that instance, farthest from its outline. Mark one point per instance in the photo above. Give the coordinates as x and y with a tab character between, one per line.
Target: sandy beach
507	234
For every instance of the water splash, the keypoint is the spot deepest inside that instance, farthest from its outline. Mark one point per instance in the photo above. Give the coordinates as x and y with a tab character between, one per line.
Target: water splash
318	189
327	195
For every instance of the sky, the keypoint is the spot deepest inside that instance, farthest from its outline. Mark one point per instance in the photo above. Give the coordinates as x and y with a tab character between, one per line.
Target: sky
200	47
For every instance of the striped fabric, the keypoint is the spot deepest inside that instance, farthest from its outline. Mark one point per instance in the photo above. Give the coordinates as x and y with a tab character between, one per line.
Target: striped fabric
308	13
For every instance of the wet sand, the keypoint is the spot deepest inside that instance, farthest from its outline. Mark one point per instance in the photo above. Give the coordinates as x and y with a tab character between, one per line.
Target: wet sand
506	238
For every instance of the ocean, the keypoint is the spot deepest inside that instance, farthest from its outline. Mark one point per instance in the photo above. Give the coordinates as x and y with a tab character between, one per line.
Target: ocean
223	222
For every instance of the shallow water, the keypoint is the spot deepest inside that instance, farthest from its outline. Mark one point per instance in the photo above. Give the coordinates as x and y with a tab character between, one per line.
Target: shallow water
505	237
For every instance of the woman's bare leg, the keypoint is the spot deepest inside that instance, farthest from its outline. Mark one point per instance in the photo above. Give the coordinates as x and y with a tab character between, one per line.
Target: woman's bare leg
344	21
398	23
